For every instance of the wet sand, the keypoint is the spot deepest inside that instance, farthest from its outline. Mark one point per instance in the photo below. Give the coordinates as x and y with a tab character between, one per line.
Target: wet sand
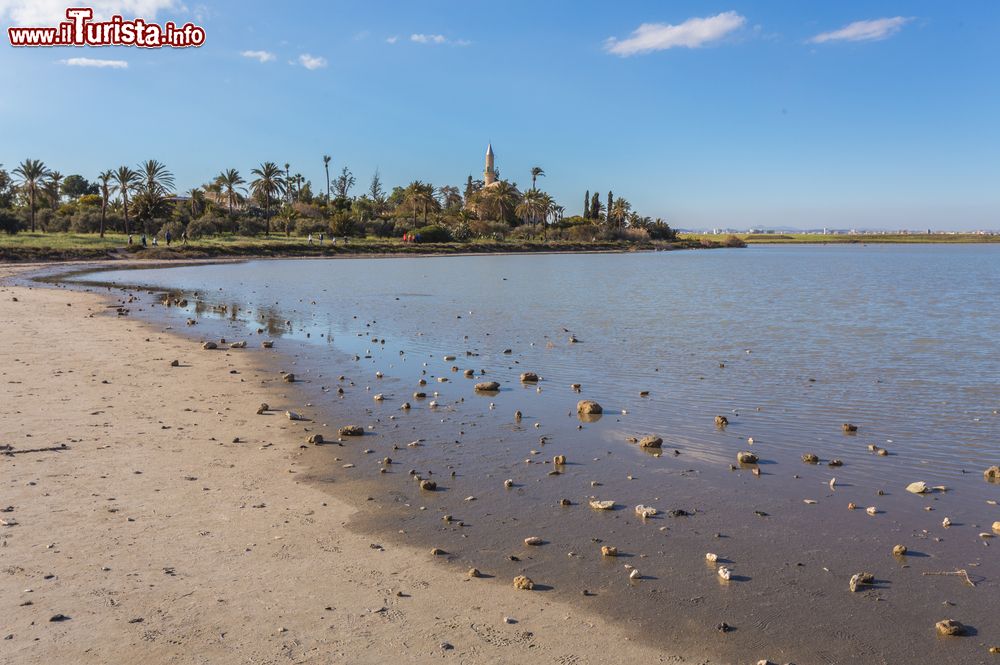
154	536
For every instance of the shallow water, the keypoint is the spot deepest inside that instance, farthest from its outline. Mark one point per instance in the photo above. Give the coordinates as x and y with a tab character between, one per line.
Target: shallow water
787	342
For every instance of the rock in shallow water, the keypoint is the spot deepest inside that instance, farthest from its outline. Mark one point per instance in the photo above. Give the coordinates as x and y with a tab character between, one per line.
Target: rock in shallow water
588	407
651	441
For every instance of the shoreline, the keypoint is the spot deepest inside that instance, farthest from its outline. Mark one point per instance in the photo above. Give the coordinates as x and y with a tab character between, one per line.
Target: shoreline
167	542
21	254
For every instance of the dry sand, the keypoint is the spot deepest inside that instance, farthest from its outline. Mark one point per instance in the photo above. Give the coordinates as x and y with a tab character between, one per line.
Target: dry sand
163	541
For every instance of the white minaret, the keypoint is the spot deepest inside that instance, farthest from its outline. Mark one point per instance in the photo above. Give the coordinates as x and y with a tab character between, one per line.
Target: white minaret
489	175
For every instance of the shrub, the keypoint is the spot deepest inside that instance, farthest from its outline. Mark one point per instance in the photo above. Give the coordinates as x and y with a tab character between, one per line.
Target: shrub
381	228
432	234
491	230
205	226
461	232
582	232
526	232
734	241
306	225
251	226
85	221
9	223
175	227
343	225
628	235
52	223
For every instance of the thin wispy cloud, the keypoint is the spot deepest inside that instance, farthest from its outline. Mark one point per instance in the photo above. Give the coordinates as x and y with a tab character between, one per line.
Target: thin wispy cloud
392	40
51	12
431	39
864	31
692	33
259	56
95	62
312	62
428	39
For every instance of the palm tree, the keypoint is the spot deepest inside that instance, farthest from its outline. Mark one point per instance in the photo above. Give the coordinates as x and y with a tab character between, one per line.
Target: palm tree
198	201
155	179
31	172
288	215
230	181
126	180
535	172
420	194
52	187
620	210
450	196
105	179
326	165
267	184
501	198
288	181
531	206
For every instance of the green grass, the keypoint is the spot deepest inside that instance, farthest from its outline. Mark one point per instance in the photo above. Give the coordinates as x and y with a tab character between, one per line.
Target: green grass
820	238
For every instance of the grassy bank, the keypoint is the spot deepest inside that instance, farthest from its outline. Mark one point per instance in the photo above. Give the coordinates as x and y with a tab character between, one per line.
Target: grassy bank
840	238
25	247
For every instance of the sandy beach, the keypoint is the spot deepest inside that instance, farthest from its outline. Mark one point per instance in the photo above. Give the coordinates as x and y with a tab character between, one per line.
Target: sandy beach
151	516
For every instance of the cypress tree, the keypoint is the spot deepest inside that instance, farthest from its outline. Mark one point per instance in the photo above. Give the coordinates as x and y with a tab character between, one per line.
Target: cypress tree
595	206
611	201
586	205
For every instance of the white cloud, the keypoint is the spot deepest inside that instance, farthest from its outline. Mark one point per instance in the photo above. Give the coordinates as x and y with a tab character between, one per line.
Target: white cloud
692	33
259	56
51	12
94	62
391	40
864	31
428	39
311	62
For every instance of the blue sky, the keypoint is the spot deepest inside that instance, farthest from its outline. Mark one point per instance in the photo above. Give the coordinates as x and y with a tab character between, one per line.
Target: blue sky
733	114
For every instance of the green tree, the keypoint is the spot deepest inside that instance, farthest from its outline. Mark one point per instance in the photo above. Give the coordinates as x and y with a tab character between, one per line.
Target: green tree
531	207
31	173
609	208
155	179
265	186
155	184
231	184
344	183
596	207
326	166
75	186
536	171
621	211
52	185
420	196
7	189
586	205
105	178
501	198
126	182
451	198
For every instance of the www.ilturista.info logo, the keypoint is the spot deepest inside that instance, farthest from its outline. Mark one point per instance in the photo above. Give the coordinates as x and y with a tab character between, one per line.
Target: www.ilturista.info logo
80	30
